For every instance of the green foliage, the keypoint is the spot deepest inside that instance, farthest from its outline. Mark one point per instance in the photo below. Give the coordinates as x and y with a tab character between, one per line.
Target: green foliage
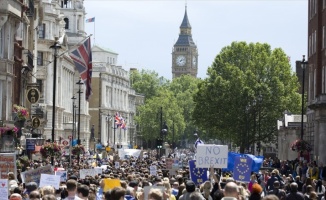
175	98
184	88
241	72
147	82
149	115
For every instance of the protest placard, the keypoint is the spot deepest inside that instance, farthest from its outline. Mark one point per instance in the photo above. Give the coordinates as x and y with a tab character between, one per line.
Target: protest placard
4	190
148	188
7	164
62	174
34	175
242	169
110	184
50	179
98	170
152	170
211	155
87	172
168	163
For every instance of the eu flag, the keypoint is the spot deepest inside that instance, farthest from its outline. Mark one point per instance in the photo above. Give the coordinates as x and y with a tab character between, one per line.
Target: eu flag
242	169
197	175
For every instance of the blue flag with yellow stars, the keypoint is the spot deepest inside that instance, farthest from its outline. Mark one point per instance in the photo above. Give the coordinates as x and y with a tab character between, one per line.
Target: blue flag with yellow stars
242	169
197	175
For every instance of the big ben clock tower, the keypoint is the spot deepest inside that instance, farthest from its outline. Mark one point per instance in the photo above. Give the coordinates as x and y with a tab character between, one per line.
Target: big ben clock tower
185	53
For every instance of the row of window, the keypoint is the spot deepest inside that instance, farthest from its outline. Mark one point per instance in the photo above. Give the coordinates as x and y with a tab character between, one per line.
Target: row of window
312	7
110	60
312	43
181	49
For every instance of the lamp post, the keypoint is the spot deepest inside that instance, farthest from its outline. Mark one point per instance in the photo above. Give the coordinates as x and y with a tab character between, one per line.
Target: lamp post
114	134
55	47
254	107
304	64
247	146
73	127
108	119
73	117
79	83
260	99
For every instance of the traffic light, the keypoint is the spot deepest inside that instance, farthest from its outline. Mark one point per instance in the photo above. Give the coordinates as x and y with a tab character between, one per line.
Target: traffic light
258	146
159	143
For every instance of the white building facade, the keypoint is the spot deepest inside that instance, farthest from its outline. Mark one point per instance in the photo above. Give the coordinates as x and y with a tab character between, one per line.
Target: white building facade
55	26
114	96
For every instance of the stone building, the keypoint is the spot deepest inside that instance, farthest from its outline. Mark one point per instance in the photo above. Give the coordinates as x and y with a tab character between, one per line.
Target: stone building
54	26
16	53
288	131
111	94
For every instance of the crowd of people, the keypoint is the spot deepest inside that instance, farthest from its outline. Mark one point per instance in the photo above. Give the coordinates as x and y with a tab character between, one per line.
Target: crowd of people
284	180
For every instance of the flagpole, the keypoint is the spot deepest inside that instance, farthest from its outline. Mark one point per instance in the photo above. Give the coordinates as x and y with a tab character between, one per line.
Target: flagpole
94	32
76	45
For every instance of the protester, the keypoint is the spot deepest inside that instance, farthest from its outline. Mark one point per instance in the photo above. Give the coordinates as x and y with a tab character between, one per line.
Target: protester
83	191
190	188
294	194
72	190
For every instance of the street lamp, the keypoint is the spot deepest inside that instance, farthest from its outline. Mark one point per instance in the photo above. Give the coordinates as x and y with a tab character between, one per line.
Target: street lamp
164	130
260	99
55	47
304	64
73	127
108	119
73	118
254	107
79	83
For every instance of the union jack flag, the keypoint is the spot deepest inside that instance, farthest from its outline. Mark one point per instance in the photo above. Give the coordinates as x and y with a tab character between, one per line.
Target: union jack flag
82	57
198	141
120	121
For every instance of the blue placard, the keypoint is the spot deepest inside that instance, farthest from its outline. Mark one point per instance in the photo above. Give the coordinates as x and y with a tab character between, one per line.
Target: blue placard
74	143
99	146
197	175
30	144
242	168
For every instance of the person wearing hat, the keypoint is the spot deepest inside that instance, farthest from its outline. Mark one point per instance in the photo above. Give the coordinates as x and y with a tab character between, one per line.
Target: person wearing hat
271	180
30	187
134	184
175	188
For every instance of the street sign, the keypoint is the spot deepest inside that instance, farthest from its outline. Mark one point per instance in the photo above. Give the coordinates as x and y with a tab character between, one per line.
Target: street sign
30	144
65	142
36	122
33	95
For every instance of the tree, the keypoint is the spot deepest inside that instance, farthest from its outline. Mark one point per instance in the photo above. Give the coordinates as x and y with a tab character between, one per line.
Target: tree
146	82
183	88
149	115
225	101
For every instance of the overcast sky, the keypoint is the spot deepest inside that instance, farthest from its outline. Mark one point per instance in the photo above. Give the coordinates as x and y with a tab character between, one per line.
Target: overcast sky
143	32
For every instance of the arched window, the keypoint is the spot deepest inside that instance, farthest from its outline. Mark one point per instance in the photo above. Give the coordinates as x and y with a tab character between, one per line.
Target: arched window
67	23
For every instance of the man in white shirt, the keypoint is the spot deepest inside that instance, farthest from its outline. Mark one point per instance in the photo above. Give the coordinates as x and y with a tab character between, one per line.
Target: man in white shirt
72	190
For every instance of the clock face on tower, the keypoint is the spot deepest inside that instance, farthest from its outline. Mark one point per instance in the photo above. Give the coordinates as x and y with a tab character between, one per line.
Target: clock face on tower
181	60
